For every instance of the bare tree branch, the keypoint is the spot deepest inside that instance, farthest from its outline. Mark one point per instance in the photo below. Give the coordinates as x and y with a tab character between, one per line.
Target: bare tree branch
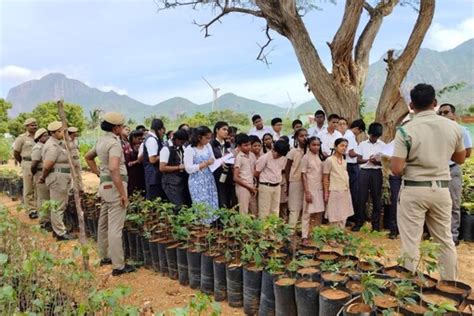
367	37
262	56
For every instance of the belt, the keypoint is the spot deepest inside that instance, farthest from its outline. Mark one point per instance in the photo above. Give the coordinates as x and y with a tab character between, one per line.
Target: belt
109	178
426	184
270	184
26	158
62	170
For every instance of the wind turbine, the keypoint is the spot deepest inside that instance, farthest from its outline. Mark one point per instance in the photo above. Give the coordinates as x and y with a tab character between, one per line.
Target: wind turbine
214	94
291	107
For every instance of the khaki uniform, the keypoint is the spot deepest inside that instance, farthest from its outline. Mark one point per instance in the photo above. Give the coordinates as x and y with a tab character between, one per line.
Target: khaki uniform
428	144
41	189
24	145
247	201
295	186
269	189
58	181
112	214
77	163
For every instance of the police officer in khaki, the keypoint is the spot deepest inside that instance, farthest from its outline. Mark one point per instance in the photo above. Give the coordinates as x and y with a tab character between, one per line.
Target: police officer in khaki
57	176
22	152
423	148
113	191
73	137
41	189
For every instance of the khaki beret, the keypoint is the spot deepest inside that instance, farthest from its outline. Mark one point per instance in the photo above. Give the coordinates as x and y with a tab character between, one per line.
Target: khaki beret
39	133
29	121
114	118
72	129
54	126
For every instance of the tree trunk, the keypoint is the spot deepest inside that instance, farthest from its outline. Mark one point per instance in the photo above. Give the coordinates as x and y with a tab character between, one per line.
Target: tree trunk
392	108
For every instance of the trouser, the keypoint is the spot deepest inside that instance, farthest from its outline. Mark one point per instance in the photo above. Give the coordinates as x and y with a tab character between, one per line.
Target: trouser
154	191
111	221
370	180
176	191
28	186
42	195
353	170
225	194
455	190
339	224
295	201
268	200
247	201
58	186
308	221
395	183
433	205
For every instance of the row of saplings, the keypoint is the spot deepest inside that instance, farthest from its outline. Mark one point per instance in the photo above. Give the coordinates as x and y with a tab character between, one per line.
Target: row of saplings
261	266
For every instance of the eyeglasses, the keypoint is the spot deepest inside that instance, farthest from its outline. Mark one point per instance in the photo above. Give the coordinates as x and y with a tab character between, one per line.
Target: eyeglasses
443	113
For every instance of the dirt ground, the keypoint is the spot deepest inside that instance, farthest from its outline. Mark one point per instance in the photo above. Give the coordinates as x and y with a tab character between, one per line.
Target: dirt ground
149	289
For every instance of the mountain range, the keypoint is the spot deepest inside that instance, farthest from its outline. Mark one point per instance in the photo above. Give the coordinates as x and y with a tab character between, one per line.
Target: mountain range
438	68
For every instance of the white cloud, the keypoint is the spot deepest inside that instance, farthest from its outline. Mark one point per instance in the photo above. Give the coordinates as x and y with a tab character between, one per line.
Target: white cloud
443	38
113	88
13	72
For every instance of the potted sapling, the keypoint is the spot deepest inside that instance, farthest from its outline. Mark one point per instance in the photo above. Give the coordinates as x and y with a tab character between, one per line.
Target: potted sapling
365	304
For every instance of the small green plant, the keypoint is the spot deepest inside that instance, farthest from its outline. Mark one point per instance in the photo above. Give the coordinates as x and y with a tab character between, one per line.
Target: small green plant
323	235
371	288
441	309
330	266
274	265
404	291
201	304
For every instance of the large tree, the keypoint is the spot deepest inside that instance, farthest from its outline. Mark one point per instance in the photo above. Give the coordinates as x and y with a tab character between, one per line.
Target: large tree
338	90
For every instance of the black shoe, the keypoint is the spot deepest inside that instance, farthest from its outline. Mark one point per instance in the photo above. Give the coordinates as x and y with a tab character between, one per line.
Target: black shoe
66	236
356	228
392	235
46	226
376	228
33	215
456	242
105	261
126	269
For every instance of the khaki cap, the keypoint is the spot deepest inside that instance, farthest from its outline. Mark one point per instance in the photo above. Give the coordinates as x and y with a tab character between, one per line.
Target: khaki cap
114	118
39	133
29	121
72	129
54	126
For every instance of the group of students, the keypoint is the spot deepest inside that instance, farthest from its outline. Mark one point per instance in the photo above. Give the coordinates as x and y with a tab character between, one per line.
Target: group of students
315	171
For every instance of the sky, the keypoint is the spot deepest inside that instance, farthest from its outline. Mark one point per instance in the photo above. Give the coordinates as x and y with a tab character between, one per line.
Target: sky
131	48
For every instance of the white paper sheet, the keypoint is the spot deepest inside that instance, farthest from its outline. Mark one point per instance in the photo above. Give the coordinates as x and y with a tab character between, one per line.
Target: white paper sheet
388	149
229	158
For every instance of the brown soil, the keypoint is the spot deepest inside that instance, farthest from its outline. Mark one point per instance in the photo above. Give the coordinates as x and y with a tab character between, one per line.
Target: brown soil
359	308
278	255
220	259
427	283
307	284
398	274
437	299
308	271
448	288
366	266
285	282
468	309
310	263
385	301
176	245
334	294
334	277
418	309
327	256
307	252
354	286
252	267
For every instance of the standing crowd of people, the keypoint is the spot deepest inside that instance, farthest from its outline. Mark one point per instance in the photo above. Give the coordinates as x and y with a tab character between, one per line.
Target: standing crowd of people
324	173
